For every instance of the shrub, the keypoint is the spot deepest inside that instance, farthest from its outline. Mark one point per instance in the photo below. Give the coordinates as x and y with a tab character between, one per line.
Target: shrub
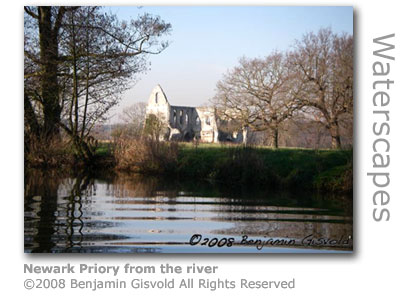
339	178
42	153
145	155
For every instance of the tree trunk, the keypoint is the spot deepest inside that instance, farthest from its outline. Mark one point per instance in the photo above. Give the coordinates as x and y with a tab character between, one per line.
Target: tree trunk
49	79
275	138
245	130
335	136
83	150
336	142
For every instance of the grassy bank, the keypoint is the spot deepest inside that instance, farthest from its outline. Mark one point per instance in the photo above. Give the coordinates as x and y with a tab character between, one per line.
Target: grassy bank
301	169
231	165
325	170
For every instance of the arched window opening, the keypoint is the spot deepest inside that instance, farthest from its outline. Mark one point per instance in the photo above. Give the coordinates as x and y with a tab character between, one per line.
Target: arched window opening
186	118
181	117
174	116
207	120
156	97
197	121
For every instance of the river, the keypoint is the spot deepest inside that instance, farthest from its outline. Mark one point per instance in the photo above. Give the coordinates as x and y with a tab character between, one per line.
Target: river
119	213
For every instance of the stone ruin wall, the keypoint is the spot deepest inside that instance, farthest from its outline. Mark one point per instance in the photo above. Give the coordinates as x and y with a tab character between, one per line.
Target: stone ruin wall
187	123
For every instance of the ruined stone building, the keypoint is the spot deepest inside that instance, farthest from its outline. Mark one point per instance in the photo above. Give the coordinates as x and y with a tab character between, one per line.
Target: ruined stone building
188	123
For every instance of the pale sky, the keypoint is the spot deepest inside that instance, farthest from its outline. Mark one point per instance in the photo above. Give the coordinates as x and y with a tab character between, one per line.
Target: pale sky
206	41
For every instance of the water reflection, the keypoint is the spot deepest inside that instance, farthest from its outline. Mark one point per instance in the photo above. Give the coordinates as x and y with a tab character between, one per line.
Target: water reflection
120	213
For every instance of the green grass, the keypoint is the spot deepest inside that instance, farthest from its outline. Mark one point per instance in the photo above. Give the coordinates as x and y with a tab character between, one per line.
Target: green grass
263	166
104	149
235	165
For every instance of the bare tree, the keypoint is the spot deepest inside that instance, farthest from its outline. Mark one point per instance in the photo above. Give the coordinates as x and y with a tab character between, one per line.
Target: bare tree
42	27
96	59
257	94
134	118
323	64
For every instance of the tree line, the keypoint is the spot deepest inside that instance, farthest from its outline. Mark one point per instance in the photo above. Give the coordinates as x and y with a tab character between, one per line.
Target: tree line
313	81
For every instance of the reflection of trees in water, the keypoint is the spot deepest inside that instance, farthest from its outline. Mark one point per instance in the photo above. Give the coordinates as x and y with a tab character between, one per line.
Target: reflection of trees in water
291	216
323	215
77	188
40	205
140	186
70	214
43	218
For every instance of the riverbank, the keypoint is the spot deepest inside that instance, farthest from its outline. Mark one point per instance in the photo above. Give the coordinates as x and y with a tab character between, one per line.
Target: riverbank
263	167
324	170
233	165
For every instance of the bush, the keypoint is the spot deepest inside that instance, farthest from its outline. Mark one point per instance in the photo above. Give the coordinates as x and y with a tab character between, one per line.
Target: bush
43	153
145	155
339	178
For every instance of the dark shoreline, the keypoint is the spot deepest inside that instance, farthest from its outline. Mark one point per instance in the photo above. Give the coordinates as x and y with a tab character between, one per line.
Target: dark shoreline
326	171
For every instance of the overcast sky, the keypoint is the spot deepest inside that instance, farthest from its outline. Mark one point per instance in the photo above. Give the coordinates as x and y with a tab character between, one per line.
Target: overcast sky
207	41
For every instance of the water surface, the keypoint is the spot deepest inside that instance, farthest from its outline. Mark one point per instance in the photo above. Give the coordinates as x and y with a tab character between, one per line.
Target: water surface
127	214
